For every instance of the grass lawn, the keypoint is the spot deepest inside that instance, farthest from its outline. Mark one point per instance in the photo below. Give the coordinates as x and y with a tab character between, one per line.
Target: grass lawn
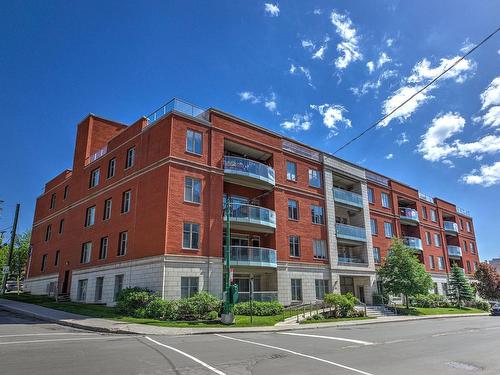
334	320
418	311
102	311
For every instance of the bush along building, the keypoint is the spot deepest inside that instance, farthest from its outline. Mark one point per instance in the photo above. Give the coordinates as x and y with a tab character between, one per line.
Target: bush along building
143	205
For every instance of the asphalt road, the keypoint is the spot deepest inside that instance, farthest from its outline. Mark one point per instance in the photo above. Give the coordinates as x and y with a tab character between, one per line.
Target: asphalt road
453	346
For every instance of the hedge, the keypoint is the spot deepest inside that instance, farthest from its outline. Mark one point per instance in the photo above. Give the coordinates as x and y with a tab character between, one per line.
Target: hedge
258	308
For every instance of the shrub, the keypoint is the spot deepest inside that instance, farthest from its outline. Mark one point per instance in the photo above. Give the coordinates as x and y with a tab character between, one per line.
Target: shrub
316	317
258	308
198	306
133	301
161	309
480	304
342	304
213	315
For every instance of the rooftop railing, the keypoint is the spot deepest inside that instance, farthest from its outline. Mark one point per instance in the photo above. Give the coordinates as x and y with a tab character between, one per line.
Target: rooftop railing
179	106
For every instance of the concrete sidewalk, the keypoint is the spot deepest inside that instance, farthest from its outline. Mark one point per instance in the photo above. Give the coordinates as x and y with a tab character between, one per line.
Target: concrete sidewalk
113	326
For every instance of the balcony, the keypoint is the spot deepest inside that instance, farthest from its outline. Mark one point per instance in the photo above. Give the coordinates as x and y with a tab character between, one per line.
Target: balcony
177	105
352	261
248	173
454	251
252	218
253	256
413	242
450	228
350	233
347	198
408	216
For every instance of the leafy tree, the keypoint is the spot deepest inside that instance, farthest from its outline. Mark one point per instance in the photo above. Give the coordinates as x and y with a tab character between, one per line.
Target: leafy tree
402	272
20	255
488	281
459	288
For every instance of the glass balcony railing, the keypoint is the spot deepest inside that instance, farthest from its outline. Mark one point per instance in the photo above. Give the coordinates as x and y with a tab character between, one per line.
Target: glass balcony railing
347	197
253	256
349	232
413	242
450	226
352	261
179	106
260	296
249	168
454	251
252	215
408	214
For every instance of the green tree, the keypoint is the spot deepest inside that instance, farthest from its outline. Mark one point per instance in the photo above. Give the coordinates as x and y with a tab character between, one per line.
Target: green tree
20	255
459	288
487	281
402	273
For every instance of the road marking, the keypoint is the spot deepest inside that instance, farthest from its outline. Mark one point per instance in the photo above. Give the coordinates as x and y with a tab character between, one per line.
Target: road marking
187	355
53	340
296	353
327	337
47	334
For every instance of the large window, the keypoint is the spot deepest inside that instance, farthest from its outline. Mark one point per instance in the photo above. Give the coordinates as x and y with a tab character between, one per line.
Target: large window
428	238
472	248
48	232
293	209
424	212
433	215
111	168
441	263
388	230
291	171
189	286
90	216
319	249
431	262
126	198
294	242
194	142
467	226
122	243
86	250
94	178
376	255
107	209
103	249
371	197
469	268
437	240
192	190
296	285
129	162
317	214
191	236
386	202
99	283
314	178
81	294
118	286
44	263
321	288
373	226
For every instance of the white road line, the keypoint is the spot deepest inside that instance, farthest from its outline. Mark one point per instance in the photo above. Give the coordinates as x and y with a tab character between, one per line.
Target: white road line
187	355
296	353
48	334
327	337
54	340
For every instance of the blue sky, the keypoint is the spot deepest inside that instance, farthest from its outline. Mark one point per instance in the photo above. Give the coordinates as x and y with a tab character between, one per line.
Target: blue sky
317	71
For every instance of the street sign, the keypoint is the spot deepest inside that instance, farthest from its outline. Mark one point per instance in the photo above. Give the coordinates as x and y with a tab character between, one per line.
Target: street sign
5	270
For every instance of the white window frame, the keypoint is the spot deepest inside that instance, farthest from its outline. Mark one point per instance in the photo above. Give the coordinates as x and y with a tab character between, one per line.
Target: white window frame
111	168
294	246
94	177
189	189
314	175
103	247
321	287
190	285
433	215
371	195
441	263
431	262
126	201
317	214
296	286
319	249
81	293
373	226
122	243
192	138
86	252
291	175
90	216
130	158
293	211
385	199
188	229
437	240
386	226
377	257
108	206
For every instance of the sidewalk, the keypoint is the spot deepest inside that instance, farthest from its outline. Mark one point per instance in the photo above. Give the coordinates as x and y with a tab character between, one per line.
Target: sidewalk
112	326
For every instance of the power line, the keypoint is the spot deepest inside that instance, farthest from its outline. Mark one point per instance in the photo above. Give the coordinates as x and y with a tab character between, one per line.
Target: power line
417	92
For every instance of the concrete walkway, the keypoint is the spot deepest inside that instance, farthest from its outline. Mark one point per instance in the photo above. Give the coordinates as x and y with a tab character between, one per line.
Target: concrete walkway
113	326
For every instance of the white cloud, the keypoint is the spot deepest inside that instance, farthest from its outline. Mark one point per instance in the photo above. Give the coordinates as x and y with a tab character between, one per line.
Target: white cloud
248	96
295	69
319	53
492	117
271	9
371	66
270	102
383	59
308	44
389	156
333	115
349	46
422	71
389	42
466	46
488	175
402	139
317	12
449	163
491	96
489	144
298	122
373	85
398	97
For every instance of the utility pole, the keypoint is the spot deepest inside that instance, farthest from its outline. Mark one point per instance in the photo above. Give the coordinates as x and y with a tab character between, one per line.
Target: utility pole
11	248
227	256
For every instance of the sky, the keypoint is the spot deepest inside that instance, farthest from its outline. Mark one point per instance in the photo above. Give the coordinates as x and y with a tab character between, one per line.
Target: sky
317	71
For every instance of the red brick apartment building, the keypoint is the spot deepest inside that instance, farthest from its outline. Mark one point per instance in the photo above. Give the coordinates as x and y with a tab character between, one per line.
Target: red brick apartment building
143	205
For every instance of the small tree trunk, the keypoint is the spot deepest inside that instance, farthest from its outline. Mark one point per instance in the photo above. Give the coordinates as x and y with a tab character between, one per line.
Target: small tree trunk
407	302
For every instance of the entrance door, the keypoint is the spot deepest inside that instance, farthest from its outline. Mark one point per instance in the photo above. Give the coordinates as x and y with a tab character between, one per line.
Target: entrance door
361	291
65	282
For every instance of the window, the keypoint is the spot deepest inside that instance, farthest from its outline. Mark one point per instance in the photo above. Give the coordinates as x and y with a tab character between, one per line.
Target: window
99	283
52	201
373	226
388	230
194	142
376	255
94	178
126	201
319	249
107	209
189	286
428	238
433	215
103	248
81	294
122	243
436	291
437	240
56	260
472	249
129	162
296	285
466	249
44	262
461	224
441	263
291	171
371	197
385	200
294	242
424	212
469	268
431	262
321	288
48	232
61	226
314	178
293	209
111	168
475	266
191	236
66	191
118	286
192	190
467	226
317	214
86	250
90	216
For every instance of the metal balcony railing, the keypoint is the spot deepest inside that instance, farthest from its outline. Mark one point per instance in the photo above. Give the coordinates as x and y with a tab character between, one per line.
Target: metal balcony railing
413	242
253	256
249	168
450	226
247	213
179	106
347	197
349	232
